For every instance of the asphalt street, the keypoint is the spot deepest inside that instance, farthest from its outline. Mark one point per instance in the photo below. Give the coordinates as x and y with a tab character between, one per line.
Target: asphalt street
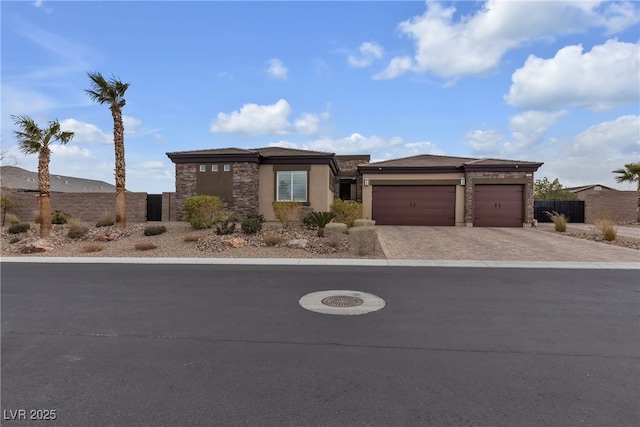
186	345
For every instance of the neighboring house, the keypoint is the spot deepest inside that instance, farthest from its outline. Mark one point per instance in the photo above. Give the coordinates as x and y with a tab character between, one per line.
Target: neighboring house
584	190
419	190
18	179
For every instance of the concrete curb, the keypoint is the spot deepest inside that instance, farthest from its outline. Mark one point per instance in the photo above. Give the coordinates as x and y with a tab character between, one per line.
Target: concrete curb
332	262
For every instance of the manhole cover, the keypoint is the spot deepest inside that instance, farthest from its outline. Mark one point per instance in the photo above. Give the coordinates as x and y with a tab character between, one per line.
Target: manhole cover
342	301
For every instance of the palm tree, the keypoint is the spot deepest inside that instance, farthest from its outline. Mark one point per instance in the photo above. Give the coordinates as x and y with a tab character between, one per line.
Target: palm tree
630	173
111	92
31	140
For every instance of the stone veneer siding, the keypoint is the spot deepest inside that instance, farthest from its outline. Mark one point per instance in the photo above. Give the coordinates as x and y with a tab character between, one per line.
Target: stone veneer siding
245	187
349	168
526	178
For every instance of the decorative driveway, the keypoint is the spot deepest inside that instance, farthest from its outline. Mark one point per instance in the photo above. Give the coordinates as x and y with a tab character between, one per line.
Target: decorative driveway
495	244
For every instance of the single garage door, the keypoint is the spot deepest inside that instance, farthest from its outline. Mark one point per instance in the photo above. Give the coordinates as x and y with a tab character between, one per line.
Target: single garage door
498	205
414	204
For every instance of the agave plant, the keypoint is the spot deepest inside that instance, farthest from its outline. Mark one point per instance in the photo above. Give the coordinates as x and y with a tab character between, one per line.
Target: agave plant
321	219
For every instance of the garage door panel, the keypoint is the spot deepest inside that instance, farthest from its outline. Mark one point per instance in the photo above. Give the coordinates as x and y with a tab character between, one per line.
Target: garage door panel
414	205
498	205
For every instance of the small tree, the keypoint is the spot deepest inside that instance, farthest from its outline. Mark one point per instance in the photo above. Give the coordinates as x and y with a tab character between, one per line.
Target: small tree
630	173
543	189
7	205
32	140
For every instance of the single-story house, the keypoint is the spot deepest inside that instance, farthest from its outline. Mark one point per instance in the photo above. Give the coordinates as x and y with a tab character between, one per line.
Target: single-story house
584	190
419	190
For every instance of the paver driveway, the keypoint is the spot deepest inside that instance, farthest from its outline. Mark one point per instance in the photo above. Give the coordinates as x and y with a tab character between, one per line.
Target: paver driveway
492	244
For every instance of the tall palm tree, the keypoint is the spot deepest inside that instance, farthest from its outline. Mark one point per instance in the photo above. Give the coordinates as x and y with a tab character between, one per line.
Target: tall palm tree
630	173
111	91
32	140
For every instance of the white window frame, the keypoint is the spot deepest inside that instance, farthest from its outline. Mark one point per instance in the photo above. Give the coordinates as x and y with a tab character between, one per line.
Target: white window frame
227	168
214	168
203	168
293	178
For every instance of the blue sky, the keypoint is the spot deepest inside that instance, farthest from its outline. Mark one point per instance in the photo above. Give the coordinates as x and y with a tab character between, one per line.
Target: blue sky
550	81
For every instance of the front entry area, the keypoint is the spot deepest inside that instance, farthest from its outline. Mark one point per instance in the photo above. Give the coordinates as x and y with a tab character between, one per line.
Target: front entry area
498	205
431	205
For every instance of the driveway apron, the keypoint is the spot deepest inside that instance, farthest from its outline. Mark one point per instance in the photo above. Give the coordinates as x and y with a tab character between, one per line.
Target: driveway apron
495	244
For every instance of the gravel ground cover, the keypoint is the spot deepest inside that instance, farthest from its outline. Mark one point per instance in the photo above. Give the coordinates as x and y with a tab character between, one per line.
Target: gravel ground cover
181	241
594	235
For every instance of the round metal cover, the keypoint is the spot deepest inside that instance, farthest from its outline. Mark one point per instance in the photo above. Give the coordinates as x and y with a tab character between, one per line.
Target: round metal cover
342	301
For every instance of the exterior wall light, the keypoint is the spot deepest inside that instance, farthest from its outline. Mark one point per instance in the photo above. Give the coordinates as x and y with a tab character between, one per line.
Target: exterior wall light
463	182
366	182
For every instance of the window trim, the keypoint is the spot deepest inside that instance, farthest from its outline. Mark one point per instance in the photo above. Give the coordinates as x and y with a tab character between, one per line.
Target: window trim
214	168
203	168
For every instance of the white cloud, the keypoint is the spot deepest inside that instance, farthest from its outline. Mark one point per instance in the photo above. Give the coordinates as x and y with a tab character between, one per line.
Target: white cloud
379	148
153	165
86	133
70	152
277	70
369	52
24	101
253	119
619	136
485	142
475	43
530	127
603	78
40	5
131	124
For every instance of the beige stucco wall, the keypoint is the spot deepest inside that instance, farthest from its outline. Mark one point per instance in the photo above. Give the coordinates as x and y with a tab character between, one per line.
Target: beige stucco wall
320	195
367	192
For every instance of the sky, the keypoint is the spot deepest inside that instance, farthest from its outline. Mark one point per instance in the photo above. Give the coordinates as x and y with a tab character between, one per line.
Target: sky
547	81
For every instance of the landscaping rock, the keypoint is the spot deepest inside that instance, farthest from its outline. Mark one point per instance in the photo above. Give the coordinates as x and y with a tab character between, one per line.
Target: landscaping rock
297	243
41	245
234	242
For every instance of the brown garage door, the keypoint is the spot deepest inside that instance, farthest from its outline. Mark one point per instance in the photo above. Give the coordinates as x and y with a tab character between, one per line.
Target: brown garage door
498	205
414	204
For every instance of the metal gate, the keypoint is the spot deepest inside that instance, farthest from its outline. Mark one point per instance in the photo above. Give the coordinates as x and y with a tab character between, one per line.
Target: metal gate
572	209
154	207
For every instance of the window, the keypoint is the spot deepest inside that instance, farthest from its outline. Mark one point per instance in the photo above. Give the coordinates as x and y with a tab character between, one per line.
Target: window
203	168
292	186
214	168
227	168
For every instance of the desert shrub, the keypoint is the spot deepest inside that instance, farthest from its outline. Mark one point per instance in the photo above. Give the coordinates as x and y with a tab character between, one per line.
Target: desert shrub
226	223
307	220
77	232
559	220
191	237
200	211
273	240
606	227
252	223
36	217
335	232
321	219
22	227
106	220
154	230
13	218
92	247
364	223
8	206
144	246
347	211
59	217
287	212
363	239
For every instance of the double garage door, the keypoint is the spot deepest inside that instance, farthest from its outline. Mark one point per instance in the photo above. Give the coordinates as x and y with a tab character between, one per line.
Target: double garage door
495	205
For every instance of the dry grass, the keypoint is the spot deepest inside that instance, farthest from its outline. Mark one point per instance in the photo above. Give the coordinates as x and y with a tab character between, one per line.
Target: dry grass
272	240
92	247
12	218
559	220
144	246
191	237
606	227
